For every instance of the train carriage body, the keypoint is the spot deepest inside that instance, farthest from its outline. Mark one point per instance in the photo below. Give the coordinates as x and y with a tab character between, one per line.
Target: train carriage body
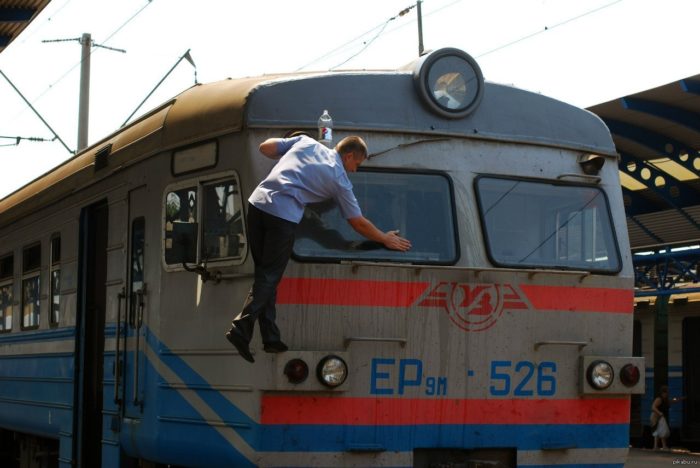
503	337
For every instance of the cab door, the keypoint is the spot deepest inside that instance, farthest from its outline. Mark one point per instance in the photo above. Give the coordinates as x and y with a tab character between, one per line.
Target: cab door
135	322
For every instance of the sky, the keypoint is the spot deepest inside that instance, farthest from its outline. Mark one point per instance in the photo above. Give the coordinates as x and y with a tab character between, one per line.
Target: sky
583	52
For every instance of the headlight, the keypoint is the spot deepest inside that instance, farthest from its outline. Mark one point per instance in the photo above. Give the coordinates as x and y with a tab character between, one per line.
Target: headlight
450	82
600	375
332	371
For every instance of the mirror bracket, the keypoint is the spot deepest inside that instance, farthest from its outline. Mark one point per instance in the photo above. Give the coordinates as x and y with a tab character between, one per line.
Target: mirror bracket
201	270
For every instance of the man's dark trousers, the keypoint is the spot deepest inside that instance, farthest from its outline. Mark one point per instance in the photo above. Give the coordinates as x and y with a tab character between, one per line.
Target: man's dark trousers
271	241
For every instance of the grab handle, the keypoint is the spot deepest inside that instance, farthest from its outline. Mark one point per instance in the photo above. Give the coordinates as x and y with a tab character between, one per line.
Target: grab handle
138	321
401	341
580	344
117	355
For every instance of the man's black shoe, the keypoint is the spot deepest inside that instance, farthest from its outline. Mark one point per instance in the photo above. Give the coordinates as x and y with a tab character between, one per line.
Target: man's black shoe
234	336
275	347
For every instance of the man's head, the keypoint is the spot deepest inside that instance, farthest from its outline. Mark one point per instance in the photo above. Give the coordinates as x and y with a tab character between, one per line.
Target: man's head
353	152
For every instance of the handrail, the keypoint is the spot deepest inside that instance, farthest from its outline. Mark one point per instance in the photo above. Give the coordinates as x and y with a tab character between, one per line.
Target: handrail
478	270
580	344
590	178
117	357
349	339
138	321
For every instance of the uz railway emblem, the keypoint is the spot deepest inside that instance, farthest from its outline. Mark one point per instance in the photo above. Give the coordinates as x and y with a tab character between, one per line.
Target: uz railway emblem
473	307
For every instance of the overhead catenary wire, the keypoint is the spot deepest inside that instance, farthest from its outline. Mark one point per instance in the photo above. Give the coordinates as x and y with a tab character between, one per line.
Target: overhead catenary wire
548	28
430	13
19	139
110	36
381	25
366	45
36	112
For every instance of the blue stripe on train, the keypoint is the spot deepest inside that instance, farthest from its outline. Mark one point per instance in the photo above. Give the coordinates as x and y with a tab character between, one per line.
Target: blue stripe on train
292	438
574	465
328	438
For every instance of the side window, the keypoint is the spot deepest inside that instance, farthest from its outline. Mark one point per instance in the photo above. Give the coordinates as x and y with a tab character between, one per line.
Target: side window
222	225
180	216
204	223
55	277
31	292
6	286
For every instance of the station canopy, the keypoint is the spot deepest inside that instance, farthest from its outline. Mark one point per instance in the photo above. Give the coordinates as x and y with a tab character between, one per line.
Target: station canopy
657	133
15	15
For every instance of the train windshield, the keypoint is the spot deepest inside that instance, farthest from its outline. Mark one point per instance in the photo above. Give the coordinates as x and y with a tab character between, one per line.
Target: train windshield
419	206
543	225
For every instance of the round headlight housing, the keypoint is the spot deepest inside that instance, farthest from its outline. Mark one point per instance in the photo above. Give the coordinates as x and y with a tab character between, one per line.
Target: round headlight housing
449	82
332	371
600	375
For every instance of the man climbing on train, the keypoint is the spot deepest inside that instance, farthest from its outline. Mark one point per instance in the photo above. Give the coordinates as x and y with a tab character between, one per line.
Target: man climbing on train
307	172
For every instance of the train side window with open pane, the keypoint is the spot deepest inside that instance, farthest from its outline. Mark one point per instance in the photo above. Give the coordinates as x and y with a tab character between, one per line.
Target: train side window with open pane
533	224
6	296
55	278
31	282
204	223
419	205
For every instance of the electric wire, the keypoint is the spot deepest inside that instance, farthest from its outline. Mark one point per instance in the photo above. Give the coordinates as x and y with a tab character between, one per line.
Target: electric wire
367	44
548	28
26	36
64	75
384	25
36	99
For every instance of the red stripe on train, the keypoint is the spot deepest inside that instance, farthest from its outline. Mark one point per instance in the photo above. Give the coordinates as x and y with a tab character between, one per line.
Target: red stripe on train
564	298
366	293
327	291
278	409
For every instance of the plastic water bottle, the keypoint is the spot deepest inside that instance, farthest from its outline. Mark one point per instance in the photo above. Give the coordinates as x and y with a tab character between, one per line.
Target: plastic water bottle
325	129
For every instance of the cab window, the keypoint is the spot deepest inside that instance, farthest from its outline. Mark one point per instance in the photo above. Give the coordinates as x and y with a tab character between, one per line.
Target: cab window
418	205
546	225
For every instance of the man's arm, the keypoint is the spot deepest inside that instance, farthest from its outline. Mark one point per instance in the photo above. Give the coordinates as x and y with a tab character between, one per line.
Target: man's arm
390	239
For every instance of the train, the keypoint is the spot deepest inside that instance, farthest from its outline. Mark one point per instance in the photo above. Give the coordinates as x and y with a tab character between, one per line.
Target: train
502	338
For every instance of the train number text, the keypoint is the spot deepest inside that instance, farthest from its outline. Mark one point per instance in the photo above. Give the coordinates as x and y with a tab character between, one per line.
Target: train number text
389	377
523	378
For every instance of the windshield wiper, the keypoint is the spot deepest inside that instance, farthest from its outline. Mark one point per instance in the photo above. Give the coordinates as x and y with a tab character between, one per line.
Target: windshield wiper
404	145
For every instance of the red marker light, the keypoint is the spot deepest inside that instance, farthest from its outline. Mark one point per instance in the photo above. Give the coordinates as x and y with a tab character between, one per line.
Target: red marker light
296	371
629	375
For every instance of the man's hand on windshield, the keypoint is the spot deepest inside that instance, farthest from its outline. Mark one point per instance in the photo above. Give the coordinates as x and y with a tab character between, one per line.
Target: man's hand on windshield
395	242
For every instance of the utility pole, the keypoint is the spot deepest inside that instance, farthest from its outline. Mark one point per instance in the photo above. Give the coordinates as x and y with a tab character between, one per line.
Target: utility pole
84	100
84	103
420	28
